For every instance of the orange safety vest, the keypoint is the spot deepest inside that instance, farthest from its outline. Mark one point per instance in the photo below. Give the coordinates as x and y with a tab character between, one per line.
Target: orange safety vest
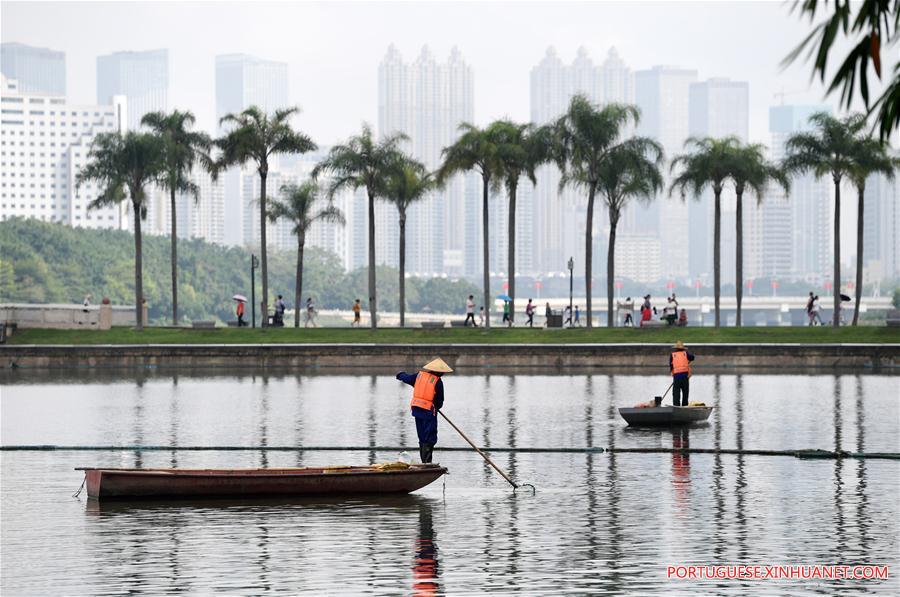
424	391
680	363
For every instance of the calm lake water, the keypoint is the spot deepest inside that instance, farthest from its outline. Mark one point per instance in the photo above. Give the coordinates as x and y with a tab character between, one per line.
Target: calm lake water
599	523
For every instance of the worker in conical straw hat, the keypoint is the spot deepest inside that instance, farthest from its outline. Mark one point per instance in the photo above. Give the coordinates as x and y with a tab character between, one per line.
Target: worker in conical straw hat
680	367
427	399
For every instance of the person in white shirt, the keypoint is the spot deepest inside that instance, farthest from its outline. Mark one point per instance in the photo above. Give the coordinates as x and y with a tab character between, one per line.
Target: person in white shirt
470	311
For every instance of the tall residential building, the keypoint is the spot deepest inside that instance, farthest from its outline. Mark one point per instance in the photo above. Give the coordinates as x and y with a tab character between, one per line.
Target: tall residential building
809	205
663	95
718	108
45	143
38	70
558	220
881	229
142	77
200	216
243	81
426	100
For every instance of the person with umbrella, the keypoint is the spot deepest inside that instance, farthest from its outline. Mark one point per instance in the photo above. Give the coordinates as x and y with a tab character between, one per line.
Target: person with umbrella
427	399
241	299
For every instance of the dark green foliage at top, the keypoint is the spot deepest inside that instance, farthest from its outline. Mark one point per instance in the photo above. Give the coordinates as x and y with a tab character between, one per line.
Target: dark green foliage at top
42	262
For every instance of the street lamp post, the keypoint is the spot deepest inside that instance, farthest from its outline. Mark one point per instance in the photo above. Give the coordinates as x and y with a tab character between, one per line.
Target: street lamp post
254	263
571	313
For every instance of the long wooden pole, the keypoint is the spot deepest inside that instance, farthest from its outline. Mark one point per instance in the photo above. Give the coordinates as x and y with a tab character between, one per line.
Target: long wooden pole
483	455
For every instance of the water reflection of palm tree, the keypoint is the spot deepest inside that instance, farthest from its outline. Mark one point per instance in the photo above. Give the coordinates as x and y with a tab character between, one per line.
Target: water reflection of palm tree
740	489
486	425
613	497
862	498
512	560
718	473
426	564
298	422
839	522
174	397
371	421
264	422
138	432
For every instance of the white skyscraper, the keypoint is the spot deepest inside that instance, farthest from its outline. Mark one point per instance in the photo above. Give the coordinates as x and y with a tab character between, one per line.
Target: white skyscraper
663	95
810	203
142	77
45	144
37	70
718	108
243	81
427	101
881	235
559	218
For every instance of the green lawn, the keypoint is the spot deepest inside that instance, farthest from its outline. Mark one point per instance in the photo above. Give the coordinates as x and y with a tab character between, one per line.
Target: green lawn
863	334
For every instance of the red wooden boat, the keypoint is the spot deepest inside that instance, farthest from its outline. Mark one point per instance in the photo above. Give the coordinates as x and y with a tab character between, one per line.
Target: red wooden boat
166	483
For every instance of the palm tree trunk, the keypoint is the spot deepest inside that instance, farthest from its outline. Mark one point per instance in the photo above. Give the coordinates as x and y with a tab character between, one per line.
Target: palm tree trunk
717	254
487	252
739	256
511	252
402	268
861	189
611	265
835	316
298	288
588	256
138	268
263	173
174	260
374	323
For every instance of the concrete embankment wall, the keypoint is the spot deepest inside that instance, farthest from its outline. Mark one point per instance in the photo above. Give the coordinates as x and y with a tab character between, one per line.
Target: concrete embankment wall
464	356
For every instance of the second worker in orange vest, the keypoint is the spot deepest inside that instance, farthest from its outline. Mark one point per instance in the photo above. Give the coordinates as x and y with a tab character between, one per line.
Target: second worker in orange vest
680	366
428	398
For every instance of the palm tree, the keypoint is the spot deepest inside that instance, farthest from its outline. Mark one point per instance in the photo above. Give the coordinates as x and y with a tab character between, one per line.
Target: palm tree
520	149
362	162
631	170
750	171
301	207
585	137
256	137
708	163
120	163
408	183
183	148
475	149
871	157
830	149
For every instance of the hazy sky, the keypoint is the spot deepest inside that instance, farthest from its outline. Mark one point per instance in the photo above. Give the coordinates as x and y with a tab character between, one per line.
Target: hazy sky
333	49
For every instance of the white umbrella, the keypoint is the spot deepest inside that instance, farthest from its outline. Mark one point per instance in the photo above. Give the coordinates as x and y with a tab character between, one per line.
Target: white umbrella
240	297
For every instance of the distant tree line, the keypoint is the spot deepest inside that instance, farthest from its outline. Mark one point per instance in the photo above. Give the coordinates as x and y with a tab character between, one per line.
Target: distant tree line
42	262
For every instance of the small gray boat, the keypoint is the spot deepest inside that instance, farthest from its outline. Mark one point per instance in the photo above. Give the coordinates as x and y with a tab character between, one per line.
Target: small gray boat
665	416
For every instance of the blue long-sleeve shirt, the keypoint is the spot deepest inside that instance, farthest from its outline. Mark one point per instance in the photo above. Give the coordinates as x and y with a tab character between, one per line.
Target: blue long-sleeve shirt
410	379
690	357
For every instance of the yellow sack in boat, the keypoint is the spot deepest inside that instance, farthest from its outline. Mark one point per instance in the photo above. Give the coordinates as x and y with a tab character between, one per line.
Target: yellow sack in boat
697	404
391	466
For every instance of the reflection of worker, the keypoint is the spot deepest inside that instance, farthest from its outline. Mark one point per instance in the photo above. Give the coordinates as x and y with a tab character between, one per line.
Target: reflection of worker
425	567
681	465
680	366
428	398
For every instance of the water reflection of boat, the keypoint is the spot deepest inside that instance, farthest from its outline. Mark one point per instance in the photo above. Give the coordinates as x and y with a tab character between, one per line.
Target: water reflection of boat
117	483
665	416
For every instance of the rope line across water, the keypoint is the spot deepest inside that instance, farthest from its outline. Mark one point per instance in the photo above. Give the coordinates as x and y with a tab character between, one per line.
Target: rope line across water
803	454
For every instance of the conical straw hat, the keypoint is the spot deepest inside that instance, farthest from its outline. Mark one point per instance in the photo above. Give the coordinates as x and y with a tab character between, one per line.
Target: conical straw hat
438	366
679	344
